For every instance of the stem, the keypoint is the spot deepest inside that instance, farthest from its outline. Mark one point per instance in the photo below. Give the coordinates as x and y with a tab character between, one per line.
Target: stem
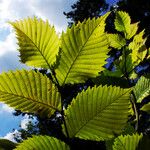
135	111
62	99
133	100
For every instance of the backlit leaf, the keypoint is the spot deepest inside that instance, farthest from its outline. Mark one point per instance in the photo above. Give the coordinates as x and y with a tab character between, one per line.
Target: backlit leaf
42	143
98	113
84	51
38	42
29	91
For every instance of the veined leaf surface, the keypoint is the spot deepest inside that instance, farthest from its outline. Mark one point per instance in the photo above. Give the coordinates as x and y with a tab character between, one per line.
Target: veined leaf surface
128	142
142	88
116	41
84	51
138	48
29	91
122	22
42	143
98	113
133	30
38	42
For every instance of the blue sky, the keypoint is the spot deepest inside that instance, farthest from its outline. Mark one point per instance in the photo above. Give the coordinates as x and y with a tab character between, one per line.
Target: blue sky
11	10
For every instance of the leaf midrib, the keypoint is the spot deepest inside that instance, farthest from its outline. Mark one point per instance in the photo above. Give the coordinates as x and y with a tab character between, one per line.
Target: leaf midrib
34	45
100	112
29	98
123	23
80	52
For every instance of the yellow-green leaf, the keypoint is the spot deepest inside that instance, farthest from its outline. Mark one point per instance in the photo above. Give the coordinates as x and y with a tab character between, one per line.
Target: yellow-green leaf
122	22
98	113
42	143
84	51
38	42
116	41
133	30
127	142
146	108
138	48
142	88
29	91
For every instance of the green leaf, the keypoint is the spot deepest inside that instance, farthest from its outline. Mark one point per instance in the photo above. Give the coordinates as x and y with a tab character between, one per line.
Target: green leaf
142	88
42	143
122	22
138	48
7	145
146	108
110	80
128	142
84	51
133	30
116	41
29	91
116	73
38	42
98	113
125	62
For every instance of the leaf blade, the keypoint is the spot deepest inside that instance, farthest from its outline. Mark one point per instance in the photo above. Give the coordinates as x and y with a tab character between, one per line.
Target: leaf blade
38	42
29	91
128	142
42	142
122	22
142	89
93	113
84	50
116	41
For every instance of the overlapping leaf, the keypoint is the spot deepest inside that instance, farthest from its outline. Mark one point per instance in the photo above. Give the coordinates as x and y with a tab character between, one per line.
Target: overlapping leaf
142	88
133	30
138	48
128	142
42	143
38	42
110	80
116	41
84	51
98	113
6	144
122	22
29	91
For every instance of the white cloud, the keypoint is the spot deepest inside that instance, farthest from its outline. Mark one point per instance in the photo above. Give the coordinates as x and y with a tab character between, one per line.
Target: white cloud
50	9
5	109
8	45
25	121
11	10
10	136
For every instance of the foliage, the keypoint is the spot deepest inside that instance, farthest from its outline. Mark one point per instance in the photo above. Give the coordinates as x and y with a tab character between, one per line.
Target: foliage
7	145
128	142
99	113
43	142
139	12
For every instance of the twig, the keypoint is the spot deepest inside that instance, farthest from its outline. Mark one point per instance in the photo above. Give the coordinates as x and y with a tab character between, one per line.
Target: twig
62	104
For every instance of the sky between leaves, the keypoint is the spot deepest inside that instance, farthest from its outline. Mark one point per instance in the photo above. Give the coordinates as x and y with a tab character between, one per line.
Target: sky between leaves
11	10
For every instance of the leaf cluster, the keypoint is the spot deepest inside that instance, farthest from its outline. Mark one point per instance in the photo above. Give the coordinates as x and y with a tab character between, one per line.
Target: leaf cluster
105	112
